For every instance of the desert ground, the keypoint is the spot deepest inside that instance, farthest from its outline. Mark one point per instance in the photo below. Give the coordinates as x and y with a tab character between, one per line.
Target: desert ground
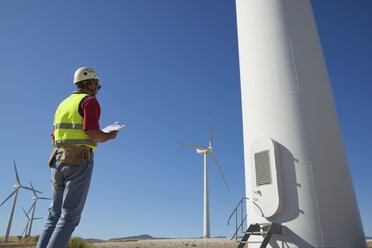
151	243
180	243
172	243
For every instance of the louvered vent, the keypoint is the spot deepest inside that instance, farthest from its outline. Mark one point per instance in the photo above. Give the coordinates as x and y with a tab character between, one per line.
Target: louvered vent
263	169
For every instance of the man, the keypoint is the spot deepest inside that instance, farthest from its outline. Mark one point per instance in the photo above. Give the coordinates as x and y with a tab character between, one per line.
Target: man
75	136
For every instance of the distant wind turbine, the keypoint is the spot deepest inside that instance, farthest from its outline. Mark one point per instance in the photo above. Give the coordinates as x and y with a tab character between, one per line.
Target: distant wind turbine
29	220
15	193
35	198
205	151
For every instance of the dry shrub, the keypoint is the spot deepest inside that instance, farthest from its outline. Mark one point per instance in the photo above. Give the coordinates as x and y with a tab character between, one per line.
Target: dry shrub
76	242
36	238
125	240
369	244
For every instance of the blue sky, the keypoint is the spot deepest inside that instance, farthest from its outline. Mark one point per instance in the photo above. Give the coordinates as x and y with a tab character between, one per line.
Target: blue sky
167	68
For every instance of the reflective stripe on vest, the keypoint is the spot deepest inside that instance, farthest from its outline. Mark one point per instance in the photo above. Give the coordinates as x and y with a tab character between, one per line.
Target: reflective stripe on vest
68	123
68	126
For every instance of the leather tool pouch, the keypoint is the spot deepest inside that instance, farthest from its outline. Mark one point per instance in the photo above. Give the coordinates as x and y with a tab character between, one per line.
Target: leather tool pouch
71	155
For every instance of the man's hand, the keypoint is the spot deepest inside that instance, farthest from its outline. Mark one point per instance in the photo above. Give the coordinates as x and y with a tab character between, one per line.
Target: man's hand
98	136
113	134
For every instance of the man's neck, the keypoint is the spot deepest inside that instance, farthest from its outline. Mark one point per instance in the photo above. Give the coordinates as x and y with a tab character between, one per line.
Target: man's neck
86	91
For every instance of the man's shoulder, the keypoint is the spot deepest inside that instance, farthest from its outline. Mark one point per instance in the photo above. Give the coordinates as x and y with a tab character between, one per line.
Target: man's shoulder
90	101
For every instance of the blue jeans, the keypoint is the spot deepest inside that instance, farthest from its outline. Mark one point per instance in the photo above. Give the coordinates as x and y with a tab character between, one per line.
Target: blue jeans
70	185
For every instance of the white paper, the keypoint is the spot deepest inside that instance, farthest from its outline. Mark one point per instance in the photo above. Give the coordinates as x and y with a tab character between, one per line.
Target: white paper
113	127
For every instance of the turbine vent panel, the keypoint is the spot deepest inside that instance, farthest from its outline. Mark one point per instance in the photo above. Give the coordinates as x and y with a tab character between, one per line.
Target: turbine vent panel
263	170
265	177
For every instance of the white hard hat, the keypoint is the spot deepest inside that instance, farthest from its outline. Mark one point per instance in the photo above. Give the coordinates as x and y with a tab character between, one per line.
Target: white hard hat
84	73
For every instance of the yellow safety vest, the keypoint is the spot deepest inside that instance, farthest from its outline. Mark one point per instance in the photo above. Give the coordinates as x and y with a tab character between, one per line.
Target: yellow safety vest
68	123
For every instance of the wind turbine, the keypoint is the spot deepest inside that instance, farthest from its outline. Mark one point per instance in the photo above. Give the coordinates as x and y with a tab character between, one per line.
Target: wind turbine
15	193
28	222
205	151
35	198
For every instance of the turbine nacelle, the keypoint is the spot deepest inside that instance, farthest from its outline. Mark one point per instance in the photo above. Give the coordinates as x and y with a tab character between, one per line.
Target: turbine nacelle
204	150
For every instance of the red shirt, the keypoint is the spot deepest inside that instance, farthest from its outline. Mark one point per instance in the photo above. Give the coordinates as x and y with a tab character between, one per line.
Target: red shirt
92	112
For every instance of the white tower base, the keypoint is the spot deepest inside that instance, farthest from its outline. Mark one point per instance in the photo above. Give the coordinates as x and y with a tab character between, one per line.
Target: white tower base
206	231
10	218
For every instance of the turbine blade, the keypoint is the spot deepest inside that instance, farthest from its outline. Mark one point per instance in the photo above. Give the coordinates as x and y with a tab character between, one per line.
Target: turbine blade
220	170
15	168
8	197
193	146
24	211
32	206
211	138
33	189
24	187
44	198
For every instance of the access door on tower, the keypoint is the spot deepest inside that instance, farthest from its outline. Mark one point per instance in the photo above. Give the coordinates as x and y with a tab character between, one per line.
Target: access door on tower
265	177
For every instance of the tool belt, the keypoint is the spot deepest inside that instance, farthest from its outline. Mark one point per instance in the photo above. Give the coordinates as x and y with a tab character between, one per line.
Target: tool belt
76	155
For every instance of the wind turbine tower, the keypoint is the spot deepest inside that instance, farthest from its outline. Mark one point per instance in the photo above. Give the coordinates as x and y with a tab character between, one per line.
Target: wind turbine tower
205	151
15	193
296	170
